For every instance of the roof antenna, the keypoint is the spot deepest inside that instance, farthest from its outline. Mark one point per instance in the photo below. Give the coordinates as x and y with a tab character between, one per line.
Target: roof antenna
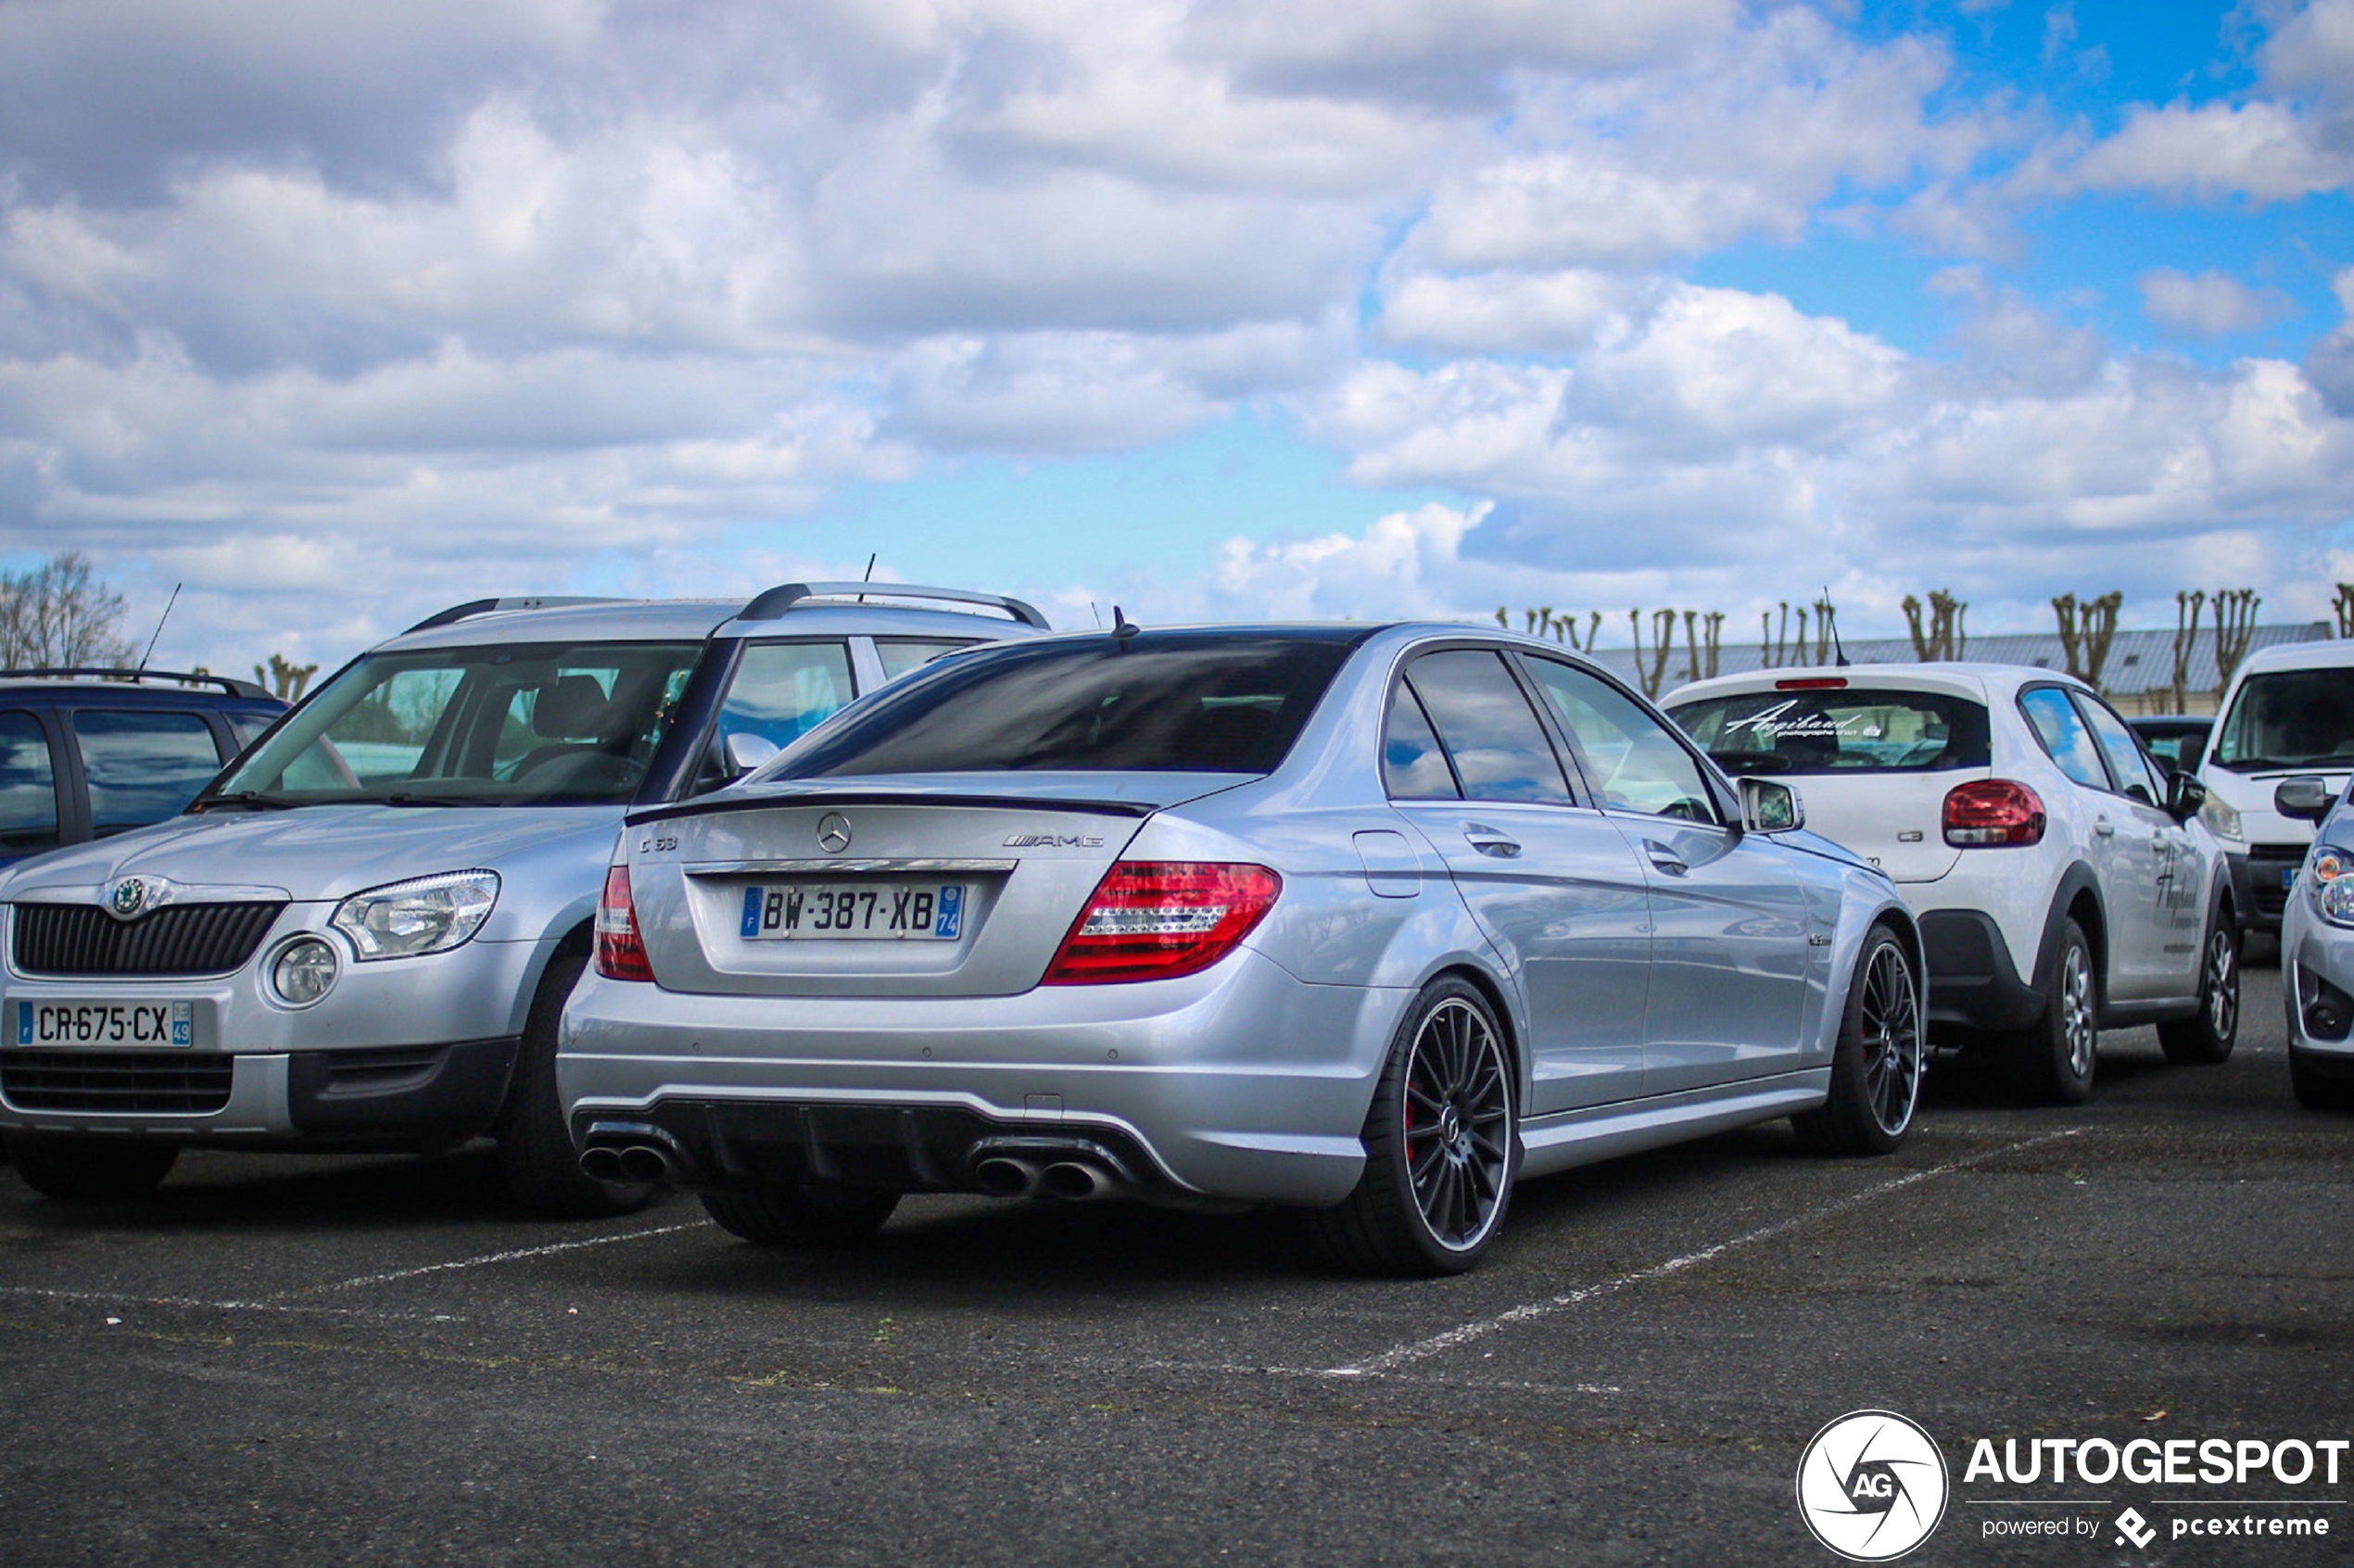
1122	626
1830	614
1093	611
159	621
870	572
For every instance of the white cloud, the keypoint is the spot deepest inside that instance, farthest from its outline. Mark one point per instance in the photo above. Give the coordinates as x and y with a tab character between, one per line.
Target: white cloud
2210	304
2264	150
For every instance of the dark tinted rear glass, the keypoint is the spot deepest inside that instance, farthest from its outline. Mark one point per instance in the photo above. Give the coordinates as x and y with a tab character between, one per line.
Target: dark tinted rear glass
1857	731
1171	701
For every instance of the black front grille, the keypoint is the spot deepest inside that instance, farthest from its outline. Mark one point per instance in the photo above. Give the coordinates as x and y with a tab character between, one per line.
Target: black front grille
181	939
2265	864
188	1082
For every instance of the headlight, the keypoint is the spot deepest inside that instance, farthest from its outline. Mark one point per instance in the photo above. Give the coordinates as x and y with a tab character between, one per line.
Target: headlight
2221	819
2331	887
303	971
429	914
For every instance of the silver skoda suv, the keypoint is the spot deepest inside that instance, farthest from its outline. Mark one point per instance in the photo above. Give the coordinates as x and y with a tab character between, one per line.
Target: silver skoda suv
360	936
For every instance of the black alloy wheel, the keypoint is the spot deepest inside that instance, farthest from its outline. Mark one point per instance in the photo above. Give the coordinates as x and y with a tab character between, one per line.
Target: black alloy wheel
1441	1147
1876	1066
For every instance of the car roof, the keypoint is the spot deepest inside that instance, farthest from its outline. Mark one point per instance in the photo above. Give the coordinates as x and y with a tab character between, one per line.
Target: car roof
1969	679
2299	656
692	620
131	689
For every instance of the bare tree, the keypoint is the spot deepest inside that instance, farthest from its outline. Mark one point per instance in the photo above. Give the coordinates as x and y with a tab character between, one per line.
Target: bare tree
285	676
58	615
1943	638
2085	632
2235	626
2186	609
1702	635
1651	668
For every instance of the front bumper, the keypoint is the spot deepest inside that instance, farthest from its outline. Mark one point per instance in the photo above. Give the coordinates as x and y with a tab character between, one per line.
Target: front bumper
1239	1083
403	1052
2317	988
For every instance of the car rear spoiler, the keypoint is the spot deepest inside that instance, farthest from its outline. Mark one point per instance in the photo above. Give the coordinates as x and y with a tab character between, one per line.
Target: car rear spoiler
706	807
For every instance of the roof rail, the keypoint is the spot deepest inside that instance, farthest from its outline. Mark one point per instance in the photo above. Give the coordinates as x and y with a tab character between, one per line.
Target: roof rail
774	603
473	607
229	684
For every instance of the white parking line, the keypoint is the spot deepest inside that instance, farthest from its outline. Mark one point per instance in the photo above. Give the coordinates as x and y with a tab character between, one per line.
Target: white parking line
131	1299
521	1252
1421	1350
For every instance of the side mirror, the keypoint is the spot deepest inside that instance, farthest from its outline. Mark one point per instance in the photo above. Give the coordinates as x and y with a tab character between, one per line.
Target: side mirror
2184	796
1769	807
747	750
2307	796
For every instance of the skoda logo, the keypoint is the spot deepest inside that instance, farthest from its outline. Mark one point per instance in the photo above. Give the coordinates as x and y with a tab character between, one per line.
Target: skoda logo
1872	1486
833	832
129	898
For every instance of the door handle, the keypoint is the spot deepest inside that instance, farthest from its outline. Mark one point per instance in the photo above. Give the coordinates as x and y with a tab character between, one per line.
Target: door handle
1490	841
2104	827
1667	859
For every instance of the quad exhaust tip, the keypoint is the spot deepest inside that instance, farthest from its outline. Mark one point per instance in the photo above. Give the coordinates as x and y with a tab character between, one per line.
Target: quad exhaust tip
1074	1181
1001	1176
631	1153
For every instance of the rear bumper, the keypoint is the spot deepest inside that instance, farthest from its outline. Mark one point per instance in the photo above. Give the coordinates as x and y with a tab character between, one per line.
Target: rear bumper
1239	1083
1972	981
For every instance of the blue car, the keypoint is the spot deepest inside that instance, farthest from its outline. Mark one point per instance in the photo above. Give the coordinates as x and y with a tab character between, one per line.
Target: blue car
87	754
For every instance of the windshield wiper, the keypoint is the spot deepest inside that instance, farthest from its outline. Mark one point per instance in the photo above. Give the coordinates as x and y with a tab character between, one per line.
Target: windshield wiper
401	798
258	800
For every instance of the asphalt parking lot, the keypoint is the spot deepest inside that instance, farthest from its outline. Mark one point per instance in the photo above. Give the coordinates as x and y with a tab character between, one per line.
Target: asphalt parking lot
301	1360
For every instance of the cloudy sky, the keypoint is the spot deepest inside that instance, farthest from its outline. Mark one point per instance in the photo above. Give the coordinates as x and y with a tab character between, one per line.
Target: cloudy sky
340	311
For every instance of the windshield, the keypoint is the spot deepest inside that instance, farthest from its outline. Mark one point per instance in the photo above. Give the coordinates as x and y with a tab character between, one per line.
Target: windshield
1171	702
2289	719
1858	730
508	725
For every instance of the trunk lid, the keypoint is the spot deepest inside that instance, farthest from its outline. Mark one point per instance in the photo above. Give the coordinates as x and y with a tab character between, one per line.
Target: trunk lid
1026	852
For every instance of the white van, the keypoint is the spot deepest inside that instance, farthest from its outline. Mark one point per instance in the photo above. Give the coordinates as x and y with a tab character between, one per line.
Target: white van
2290	709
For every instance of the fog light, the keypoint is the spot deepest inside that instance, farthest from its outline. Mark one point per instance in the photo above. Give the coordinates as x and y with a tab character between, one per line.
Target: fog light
303	971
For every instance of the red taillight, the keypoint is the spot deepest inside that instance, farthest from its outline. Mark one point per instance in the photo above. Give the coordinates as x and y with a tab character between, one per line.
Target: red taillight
1812	683
620	955
1156	919
1992	811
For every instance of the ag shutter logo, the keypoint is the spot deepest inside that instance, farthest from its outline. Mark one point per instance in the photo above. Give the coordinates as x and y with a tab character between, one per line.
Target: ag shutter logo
1872	1486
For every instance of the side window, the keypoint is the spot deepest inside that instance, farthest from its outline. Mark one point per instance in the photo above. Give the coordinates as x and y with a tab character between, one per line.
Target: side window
2125	760
784	689
1637	765
2054	718
899	654
1412	768
142	766
1498	747
28	787
247	728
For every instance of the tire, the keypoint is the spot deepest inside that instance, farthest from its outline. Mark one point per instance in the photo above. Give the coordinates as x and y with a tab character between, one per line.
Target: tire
1876	1067
2051	1061
74	1169
2208	1035
802	1216
1442	1144
2315	1092
536	1156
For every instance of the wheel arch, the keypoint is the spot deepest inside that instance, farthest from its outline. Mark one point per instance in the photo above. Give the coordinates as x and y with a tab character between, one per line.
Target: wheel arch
2077	898
1499	1003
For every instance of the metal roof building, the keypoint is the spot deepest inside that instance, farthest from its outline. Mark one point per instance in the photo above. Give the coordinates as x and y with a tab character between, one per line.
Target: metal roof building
2138	674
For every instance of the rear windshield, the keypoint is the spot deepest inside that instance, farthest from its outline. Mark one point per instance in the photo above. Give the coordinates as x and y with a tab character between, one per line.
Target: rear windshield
1859	729
2290	718
1166	702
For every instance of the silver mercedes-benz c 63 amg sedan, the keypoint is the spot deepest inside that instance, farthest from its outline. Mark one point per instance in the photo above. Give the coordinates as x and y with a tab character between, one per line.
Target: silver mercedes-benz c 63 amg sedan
1371	921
